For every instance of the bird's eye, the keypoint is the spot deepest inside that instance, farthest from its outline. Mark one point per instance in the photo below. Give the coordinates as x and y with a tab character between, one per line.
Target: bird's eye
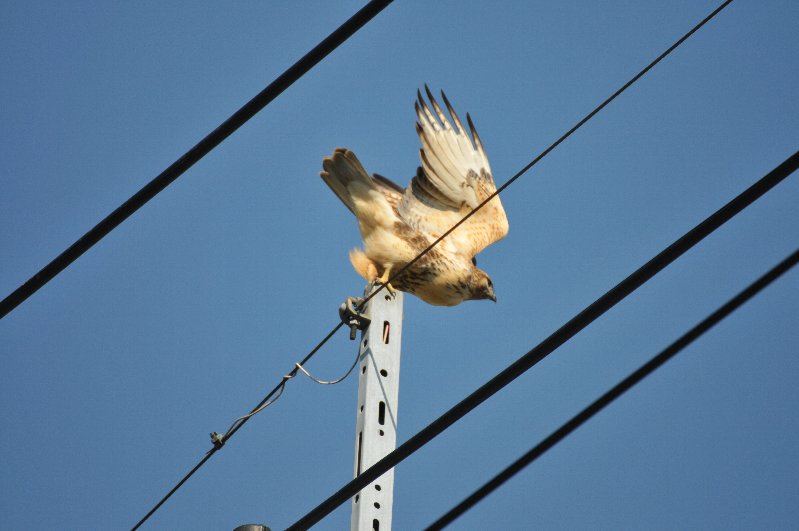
474	261
490	284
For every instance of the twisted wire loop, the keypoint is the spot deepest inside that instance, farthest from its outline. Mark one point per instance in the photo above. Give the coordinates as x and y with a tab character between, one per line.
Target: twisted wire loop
330	382
243	418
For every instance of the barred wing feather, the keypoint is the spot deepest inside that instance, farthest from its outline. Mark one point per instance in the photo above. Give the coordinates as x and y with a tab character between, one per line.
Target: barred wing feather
455	177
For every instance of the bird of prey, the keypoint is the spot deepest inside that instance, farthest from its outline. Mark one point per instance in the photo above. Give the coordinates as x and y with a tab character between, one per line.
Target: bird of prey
396	224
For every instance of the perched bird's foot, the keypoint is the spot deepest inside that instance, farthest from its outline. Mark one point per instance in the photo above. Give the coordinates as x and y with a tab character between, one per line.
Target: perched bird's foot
384	281
390	289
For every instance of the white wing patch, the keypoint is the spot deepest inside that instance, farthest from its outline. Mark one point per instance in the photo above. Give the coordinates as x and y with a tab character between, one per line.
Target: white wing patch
455	177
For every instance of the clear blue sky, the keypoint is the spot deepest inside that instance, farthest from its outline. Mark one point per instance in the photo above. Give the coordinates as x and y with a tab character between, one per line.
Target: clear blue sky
184	317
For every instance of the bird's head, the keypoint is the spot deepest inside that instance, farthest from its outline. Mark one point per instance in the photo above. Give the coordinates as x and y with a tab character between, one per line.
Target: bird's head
481	286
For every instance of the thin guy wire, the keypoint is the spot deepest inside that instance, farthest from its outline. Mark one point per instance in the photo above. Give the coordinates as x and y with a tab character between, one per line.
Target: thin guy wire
555	340
555	144
619	389
192	156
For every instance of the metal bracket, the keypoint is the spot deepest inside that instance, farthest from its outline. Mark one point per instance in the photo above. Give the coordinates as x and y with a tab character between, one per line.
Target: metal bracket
352	317
217	440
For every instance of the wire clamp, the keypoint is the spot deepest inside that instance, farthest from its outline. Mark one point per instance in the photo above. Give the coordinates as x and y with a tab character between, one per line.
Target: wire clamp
352	317
217	440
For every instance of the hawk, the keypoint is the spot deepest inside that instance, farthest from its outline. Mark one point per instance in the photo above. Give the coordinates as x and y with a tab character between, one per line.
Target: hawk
397	224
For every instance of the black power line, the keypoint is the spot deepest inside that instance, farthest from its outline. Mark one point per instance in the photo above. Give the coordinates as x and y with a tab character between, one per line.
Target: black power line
615	392
201	149
560	336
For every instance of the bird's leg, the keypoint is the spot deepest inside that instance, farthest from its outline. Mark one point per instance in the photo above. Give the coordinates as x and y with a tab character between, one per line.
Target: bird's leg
383	279
371	272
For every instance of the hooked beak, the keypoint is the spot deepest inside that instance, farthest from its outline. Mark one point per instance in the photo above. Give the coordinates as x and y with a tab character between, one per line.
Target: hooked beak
492	296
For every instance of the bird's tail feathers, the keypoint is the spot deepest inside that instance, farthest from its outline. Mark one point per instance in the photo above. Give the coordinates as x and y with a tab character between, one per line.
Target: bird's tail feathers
341	170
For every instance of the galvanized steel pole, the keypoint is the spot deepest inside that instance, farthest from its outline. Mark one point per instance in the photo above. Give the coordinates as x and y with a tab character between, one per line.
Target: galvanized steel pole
378	392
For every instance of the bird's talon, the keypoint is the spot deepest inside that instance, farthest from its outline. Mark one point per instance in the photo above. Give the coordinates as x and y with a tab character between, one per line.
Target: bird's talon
391	289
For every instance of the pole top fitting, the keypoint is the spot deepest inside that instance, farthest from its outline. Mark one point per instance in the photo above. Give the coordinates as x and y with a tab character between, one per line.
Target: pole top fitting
352	317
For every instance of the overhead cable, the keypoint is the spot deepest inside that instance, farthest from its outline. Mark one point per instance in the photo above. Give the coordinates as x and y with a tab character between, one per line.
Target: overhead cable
188	159
560	336
619	389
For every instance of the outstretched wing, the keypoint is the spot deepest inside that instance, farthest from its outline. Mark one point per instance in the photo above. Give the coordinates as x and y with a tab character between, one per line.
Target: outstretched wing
454	179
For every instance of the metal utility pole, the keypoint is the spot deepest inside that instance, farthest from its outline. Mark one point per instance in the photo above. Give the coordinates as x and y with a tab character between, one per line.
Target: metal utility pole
378	392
